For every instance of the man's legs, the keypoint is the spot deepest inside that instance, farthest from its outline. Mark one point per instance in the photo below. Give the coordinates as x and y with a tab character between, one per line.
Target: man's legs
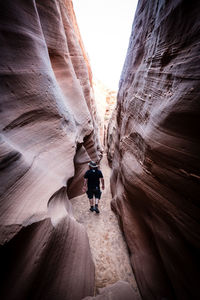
91	204
97	199
96	205
97	195
90	197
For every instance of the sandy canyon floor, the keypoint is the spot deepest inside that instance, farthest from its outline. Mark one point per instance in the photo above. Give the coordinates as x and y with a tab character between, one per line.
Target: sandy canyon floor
109	250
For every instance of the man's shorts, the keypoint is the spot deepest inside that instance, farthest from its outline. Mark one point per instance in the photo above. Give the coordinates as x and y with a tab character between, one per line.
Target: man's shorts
94	192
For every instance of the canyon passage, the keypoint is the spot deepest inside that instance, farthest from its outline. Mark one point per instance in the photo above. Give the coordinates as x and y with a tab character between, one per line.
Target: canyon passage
108	247
51	246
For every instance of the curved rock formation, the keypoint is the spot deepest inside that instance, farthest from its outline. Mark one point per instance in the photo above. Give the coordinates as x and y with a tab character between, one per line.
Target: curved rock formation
156	165
48	133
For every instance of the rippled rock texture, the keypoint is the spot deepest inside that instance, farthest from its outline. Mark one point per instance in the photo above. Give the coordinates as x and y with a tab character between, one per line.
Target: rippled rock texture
48	133
155	158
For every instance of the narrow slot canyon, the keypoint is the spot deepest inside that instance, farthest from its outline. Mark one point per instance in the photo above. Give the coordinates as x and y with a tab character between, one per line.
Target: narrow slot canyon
56	117
109	251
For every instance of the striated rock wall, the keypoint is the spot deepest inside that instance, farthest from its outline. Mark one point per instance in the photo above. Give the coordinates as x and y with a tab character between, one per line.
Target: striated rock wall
48	133
155	155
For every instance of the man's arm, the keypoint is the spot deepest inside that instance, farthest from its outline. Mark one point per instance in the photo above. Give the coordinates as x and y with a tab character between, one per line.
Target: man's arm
102	183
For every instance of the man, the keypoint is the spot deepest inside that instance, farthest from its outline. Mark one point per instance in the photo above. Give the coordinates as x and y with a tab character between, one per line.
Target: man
92	184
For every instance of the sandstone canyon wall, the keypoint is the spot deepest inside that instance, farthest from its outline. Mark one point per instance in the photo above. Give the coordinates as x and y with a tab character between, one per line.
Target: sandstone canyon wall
106	101
48	134
155	151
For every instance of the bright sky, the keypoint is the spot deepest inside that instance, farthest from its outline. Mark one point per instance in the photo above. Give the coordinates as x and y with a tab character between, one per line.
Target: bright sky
105	27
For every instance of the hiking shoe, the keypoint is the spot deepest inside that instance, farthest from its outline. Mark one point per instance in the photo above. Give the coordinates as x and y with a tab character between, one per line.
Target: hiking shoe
97	210
92	208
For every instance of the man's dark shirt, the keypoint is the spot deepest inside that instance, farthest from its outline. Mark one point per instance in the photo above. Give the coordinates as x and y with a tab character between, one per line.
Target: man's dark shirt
93	176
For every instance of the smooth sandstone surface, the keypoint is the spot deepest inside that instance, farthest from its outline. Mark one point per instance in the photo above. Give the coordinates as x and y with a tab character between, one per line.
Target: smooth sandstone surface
48	134
154	149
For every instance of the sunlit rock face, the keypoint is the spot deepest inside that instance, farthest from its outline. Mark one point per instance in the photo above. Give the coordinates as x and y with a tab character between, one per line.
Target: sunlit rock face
48	134
155	156
105	100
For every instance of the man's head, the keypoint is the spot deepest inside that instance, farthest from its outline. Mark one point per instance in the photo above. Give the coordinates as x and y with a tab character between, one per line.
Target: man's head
92	165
